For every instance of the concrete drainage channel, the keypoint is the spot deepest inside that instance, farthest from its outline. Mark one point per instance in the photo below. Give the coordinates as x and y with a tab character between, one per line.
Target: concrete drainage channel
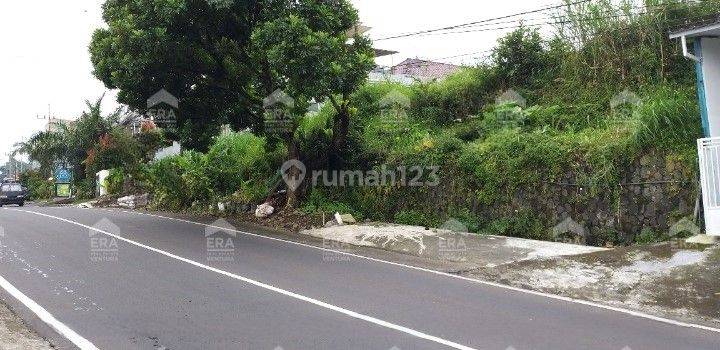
672	280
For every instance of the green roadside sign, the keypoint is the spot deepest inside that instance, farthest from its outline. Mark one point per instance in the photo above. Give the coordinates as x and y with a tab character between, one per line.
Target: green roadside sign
63	190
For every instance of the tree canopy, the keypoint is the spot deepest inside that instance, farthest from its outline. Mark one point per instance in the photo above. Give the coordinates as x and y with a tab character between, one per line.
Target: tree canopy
314	53
205	54
195	49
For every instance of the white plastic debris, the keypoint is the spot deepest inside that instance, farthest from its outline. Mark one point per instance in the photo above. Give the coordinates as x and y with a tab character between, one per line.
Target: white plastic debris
264	210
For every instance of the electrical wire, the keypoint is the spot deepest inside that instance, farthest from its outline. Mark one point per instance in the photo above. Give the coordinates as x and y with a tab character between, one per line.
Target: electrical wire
519	22
483	21
586	20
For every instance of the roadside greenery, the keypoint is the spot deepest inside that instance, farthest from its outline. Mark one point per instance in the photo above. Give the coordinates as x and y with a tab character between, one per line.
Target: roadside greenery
239	169
91	143
604	89
38	185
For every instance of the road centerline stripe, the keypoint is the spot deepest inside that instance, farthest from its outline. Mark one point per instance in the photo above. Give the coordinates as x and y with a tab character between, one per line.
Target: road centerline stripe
278	290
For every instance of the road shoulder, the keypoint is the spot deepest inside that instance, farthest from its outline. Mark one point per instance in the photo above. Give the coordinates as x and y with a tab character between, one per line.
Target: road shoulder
677	283
15	334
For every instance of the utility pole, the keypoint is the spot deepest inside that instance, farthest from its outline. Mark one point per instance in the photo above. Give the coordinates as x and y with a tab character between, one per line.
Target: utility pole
49	118
8	167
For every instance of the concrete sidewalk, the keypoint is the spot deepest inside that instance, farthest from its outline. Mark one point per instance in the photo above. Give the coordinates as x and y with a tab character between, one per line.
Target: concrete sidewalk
669	280
465	251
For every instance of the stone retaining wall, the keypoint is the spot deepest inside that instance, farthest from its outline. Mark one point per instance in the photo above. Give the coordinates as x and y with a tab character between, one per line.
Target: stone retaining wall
655	192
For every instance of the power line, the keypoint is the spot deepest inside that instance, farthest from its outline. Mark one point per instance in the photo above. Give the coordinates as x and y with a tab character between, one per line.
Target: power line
608	11
519	22
419	64
523	25
463	55
575	21
484	21
566	21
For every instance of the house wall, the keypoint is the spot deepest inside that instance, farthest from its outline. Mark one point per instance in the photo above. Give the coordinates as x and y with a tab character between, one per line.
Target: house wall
170	151
375	77
711	71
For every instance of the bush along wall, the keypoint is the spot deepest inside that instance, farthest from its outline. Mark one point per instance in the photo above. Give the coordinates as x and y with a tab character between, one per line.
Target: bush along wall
617	172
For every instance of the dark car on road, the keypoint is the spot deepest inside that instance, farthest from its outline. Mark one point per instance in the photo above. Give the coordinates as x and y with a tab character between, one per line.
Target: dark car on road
12	193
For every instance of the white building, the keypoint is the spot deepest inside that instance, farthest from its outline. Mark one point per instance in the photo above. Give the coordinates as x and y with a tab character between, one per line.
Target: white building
705	40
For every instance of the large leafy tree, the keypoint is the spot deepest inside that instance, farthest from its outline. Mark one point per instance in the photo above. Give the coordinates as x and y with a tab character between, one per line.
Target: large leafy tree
312	50
195	49
520	58
220	58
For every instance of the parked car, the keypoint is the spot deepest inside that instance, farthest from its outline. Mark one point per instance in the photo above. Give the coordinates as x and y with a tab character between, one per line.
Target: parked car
12	193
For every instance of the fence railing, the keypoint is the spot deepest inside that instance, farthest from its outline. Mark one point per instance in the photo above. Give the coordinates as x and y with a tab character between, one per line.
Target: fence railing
709	155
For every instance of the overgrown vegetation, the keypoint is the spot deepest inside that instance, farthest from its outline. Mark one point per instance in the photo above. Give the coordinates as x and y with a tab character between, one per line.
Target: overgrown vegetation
606	88
239	169
91	143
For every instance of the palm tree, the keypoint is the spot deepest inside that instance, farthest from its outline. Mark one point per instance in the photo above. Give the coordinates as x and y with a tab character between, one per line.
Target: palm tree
47	148
69	146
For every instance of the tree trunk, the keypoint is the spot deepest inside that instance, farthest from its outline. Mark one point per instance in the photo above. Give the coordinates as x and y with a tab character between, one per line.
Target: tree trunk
293	194
340	134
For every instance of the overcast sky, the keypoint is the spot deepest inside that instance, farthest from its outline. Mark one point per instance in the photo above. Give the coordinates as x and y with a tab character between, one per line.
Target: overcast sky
44	58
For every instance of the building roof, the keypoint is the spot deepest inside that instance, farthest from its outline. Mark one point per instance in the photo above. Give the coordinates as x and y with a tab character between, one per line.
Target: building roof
425	69
416	62
709	26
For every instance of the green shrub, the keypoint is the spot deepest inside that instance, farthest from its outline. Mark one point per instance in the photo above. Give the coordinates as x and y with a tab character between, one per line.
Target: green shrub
85	189
318	201
603	237
372	99
648	236
181	181
117	149
314	135
522	224
114	181
459	96
241	162
150	140
411	217
508	159
238	168
471	221
38	186
667	118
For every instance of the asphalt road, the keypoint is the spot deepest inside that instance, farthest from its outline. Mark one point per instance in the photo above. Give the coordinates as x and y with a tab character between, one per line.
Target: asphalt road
146	282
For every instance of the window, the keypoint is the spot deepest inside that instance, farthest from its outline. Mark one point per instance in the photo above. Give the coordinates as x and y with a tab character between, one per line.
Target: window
11	188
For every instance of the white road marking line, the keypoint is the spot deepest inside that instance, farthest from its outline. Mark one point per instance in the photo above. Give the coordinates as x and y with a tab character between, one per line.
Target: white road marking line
487	283
322	304
46	317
